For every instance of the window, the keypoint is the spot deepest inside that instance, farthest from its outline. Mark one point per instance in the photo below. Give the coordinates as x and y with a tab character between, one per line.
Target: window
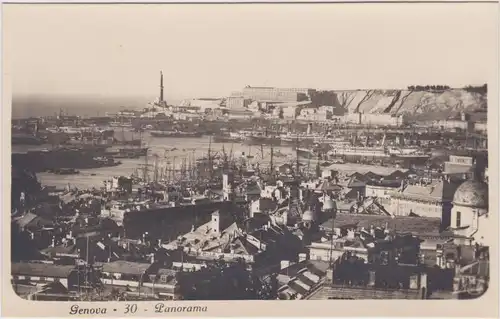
459	219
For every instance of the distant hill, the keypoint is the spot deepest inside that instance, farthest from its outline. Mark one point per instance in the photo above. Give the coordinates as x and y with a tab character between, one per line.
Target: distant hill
415	103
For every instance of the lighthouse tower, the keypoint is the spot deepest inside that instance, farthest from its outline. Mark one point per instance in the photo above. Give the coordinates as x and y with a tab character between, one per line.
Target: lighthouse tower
162	102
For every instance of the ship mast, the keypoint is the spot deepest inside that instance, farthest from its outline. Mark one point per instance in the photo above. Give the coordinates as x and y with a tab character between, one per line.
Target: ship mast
271	166
174	171
210	168
297	163
146	170
155	172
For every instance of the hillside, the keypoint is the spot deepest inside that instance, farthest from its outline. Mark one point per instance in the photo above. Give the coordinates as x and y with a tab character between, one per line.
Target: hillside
411	103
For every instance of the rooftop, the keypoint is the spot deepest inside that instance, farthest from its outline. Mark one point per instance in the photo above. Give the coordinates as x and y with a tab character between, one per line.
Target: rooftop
125	267
401	224
472	194
41	270
438	191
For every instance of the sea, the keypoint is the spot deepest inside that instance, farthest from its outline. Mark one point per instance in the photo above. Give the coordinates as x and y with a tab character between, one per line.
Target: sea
170	151
166	151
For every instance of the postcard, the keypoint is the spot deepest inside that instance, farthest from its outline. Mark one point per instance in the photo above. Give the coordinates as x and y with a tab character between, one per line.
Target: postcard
234	159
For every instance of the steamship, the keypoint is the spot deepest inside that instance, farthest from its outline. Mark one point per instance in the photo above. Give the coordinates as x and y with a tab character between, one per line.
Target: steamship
378	152
176	134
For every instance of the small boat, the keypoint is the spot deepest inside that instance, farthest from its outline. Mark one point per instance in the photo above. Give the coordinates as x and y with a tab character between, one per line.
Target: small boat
142	151
306	153
176	134
136	142
66	171
120	124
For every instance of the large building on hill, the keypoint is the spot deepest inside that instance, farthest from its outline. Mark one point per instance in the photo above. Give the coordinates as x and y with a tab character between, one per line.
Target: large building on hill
274	94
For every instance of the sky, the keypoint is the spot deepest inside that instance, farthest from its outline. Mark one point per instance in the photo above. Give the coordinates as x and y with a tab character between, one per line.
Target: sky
211	50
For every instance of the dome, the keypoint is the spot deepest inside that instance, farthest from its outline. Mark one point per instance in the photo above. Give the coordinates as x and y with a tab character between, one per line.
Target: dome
308	216
329	205
472	194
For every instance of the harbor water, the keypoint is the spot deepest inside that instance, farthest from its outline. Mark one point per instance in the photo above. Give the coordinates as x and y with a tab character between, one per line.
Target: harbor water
172	151
166	152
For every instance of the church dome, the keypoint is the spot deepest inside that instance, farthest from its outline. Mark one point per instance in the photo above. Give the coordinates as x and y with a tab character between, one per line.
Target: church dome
329	205
308	216
472	194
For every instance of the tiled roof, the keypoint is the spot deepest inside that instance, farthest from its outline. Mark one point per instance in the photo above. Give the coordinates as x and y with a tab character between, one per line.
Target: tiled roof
396	175
60	249
438	191
400	224
26	219
372	175
316	267
304	276
478	268
125	267
41	270
329	186
354	182
204	238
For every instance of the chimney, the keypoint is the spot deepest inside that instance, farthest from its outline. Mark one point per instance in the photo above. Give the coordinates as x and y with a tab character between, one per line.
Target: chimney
351	234
463	116
302	257
372	278
329	275
414	281
284	264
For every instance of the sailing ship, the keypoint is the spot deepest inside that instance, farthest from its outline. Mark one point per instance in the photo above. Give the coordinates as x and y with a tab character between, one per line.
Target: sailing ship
262	138
307	153
133	152
231	137
121	123
407	152
175	133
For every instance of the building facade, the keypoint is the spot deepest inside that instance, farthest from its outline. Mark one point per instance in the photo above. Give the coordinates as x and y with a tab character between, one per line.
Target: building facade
460	166
470	211
275	94
237	102
433	200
